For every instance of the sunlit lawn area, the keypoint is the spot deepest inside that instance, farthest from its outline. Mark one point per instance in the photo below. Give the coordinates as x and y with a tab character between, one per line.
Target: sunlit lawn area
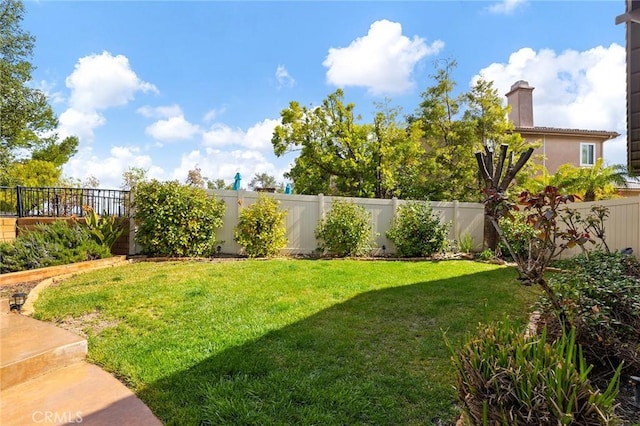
287	341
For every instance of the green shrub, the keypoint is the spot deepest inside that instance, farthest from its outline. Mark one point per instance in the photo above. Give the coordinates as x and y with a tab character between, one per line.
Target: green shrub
176	220
486	254
600	297
261	230
58	243
416	231
503	378
518	233
345	230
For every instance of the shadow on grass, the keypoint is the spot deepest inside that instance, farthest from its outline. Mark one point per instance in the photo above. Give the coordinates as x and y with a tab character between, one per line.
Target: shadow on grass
378	358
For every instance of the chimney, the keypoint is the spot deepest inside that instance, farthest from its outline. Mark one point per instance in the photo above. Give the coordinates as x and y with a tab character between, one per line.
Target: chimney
520	99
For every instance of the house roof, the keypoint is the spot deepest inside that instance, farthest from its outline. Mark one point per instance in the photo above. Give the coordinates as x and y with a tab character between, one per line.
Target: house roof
536	130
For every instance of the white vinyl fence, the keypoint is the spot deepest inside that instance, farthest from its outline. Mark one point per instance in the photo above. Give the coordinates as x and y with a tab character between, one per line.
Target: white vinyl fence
622	228
304	213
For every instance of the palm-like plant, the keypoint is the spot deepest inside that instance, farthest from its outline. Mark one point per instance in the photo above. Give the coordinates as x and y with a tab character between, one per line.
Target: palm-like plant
591	180
590	183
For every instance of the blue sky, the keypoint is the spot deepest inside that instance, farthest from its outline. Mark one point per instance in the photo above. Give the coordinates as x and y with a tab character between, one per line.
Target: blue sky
169	86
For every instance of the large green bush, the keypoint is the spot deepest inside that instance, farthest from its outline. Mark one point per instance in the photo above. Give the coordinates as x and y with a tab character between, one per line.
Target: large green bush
600	297
345	230
416	231
176	220
504	378
261	230
58	243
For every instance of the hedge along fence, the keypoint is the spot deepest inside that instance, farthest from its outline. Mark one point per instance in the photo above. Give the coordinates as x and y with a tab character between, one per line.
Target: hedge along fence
11	227
306	211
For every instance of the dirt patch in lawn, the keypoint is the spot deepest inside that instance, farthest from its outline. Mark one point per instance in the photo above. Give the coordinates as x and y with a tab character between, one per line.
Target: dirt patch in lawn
87	324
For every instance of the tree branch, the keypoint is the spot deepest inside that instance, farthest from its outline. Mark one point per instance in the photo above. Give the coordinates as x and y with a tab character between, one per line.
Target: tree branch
512	171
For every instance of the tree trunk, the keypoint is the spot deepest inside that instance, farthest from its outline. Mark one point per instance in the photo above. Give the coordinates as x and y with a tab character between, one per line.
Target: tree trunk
490	234
590	195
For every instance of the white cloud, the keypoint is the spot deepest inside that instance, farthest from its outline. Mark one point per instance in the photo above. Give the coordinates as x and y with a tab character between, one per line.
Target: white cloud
283	77
583	90
172	129
80	123
506	7
98	82
213	114
160	112
104	81
217	164
257	137
382	61
109	170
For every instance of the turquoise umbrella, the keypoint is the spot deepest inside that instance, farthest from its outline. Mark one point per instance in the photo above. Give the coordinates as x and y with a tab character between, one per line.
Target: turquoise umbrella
236	183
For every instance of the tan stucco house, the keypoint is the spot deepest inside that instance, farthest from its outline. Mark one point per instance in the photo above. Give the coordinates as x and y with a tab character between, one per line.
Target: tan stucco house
559	145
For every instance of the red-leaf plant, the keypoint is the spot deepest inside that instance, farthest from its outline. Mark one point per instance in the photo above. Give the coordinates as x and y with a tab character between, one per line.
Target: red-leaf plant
550	240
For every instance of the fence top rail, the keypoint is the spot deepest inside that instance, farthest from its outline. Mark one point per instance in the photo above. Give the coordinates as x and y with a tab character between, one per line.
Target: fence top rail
63	188
59	201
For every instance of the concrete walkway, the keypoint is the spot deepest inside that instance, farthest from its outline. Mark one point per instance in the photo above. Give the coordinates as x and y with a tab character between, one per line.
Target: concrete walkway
44	379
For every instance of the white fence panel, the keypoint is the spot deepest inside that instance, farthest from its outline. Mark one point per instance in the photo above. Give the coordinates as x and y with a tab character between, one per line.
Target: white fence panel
622	228
304	213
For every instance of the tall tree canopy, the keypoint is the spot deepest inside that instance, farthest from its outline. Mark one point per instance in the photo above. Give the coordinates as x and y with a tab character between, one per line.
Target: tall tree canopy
427	155
341	156
28	125
263	180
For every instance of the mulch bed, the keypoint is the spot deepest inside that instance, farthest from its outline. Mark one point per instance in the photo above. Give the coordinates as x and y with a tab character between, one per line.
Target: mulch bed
25	287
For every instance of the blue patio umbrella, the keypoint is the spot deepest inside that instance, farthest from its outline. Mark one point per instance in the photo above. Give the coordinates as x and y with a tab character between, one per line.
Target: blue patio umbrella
236	183
287	189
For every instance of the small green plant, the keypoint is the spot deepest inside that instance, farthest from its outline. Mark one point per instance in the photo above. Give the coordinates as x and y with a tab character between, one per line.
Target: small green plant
504	378
346	230
176	220
104	229
416	231
486	254
261	230
466	243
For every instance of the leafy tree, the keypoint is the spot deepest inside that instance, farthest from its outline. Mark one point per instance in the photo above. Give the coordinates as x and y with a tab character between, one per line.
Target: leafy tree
132	177
28	122
452	136
447	172
334	156
340	156
31	173
194	178
217	184
398	153
263	180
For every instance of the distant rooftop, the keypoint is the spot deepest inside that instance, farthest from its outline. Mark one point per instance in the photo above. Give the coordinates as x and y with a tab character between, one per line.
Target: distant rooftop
563	131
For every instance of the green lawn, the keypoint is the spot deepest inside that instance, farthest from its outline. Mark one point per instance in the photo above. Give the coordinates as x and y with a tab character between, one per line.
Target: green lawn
287	341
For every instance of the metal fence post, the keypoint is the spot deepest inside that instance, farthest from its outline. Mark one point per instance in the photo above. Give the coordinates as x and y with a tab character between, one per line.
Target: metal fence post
19	202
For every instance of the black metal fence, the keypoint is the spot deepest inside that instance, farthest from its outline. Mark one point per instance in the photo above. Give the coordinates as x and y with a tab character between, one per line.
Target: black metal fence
23	201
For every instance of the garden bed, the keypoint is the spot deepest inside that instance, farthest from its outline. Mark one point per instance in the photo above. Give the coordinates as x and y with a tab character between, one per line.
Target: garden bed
14	278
